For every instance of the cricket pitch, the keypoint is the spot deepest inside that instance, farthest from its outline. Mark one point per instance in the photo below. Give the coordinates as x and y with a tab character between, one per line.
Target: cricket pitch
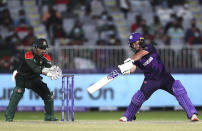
100	125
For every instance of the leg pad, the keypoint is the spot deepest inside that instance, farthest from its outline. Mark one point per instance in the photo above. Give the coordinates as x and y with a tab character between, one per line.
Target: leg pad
137	101
13	103
49	108
183	99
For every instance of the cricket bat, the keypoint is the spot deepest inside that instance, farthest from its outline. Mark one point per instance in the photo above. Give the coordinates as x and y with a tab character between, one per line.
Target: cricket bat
104	81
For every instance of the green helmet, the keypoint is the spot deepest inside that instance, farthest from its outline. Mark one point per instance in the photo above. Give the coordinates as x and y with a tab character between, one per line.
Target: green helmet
40	43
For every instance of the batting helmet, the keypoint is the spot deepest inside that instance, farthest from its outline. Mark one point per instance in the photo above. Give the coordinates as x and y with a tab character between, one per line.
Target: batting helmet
40	43
135	37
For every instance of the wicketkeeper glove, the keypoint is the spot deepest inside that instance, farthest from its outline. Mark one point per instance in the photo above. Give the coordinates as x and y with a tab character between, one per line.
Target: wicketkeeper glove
46	70
53	76
54	72
49	74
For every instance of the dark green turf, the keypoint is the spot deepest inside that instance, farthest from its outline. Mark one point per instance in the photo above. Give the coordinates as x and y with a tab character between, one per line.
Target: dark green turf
115	115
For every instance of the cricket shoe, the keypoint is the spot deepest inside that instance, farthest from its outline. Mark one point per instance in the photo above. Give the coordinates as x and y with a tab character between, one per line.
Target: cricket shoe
50	118
194	118
8	118
123	119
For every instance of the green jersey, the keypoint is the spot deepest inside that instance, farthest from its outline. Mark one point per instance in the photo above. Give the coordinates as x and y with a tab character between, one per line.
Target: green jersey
33	64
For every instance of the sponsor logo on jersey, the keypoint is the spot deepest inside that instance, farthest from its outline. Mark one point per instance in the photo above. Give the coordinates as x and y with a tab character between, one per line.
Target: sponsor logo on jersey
148	61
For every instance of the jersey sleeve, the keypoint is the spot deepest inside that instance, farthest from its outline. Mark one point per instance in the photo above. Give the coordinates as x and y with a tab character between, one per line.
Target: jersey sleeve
29	60
47	61
148	48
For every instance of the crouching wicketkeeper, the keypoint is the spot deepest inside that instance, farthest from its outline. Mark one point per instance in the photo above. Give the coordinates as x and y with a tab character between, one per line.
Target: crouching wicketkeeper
36	62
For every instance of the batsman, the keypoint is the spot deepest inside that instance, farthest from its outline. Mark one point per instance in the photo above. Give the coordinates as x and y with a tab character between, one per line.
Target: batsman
35	62
156	77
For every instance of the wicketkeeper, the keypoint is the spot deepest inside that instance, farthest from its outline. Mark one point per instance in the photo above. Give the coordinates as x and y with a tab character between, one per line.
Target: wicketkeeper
35	62
156	77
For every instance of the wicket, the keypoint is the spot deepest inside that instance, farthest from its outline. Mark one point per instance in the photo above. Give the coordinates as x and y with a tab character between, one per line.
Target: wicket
63	109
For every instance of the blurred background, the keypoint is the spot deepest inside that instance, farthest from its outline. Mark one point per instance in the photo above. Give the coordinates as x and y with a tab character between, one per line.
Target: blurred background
89	38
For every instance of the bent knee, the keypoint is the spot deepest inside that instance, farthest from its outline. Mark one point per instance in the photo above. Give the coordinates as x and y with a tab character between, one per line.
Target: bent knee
139	98
48	97
19	90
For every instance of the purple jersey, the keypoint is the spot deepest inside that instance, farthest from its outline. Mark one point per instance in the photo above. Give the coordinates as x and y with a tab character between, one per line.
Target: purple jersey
151	64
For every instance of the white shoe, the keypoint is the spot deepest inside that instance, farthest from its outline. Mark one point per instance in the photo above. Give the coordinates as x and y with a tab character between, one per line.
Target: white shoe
123	119
194	118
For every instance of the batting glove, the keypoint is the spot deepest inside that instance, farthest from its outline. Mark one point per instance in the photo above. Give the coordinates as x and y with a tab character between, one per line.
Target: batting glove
126	72
128	60
125	67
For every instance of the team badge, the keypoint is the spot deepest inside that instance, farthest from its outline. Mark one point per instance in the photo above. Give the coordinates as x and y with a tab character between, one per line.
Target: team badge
131	37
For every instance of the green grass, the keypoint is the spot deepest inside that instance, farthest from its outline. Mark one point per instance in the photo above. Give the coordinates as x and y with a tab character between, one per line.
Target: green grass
103	121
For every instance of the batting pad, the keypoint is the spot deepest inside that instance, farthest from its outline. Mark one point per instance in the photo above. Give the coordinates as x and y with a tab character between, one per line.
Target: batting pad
183	99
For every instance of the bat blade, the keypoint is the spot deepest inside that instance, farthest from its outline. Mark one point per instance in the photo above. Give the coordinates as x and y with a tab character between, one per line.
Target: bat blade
104	81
